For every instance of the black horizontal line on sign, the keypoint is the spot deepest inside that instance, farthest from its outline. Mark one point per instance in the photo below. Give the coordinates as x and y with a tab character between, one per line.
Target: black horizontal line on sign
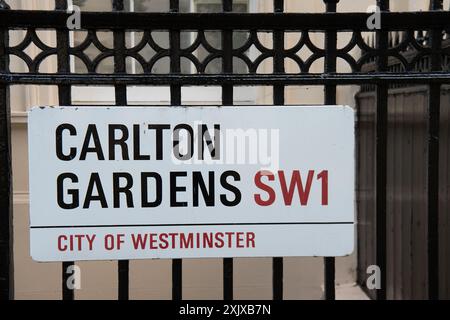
191	225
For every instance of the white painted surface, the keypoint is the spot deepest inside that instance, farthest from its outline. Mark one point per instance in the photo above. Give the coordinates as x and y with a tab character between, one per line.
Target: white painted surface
310	138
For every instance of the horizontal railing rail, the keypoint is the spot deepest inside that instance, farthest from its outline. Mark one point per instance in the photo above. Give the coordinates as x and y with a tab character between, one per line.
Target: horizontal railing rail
391	21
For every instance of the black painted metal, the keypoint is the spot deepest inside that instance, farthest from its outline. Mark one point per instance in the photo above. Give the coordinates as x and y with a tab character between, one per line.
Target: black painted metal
330	99
225	21
121	100
227	100
434	107
65	99
278	99
421	225
220	79
6	250
409	51
381	154
175	99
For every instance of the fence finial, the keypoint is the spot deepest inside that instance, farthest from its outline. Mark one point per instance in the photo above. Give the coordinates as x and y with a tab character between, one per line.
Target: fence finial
4	5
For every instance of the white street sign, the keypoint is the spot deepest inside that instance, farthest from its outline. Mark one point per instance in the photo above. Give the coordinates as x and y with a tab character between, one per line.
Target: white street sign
173	182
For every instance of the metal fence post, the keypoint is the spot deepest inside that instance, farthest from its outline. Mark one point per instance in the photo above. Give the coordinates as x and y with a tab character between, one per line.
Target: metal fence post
121	100
227	100
175	100
434	106
381	154
6	235
65	99
278	100
330	99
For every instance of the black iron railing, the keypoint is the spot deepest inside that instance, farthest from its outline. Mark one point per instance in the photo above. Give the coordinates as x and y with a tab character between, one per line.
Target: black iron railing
331	24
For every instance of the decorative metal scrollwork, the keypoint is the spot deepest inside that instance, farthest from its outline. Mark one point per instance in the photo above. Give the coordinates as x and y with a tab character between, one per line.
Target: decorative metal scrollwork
407	50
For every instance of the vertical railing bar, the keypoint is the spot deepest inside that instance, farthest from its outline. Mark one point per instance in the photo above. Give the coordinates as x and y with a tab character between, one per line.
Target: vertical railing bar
381	155
175	100
358	185
434	106
330	99
6	204
227	100
278	99
65	99
121	100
